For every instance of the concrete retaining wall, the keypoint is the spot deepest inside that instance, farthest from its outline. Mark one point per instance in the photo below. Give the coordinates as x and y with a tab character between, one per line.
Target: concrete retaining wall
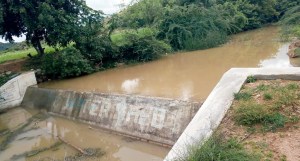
156	119
218	102
12	92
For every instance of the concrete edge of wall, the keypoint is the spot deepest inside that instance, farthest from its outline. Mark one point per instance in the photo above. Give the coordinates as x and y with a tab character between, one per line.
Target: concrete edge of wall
213	110
13	91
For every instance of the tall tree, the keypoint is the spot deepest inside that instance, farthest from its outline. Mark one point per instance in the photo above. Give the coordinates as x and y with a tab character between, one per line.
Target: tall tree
54	21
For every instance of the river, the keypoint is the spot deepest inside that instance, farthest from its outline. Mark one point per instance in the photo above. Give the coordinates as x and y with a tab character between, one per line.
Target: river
187	75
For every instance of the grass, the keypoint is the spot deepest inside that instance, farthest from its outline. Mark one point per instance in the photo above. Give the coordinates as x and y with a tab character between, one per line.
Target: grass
242	96
217	148
268	96
267	107
251	79
20	54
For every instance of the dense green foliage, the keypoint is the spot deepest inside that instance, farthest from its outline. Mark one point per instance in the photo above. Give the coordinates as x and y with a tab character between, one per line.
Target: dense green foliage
291	21
54	21
66	63
200	24
140	45
218	148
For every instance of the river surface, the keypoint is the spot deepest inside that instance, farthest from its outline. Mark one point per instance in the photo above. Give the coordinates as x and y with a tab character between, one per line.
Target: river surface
187	75
43	132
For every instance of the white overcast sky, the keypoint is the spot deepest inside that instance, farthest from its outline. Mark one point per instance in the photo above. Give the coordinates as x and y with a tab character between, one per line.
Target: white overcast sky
107	6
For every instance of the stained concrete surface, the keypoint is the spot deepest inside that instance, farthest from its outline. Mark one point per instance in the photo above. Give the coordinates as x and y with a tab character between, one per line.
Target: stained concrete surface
156	119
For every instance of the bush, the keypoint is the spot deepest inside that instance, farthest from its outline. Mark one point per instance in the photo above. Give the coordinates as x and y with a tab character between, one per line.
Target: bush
141	46
193	27
290	22
66	63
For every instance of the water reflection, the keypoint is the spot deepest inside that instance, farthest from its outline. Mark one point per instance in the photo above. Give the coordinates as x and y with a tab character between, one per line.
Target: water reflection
129	86
279	60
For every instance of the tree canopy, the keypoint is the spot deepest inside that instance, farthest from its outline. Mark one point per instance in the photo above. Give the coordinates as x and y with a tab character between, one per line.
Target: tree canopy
54	21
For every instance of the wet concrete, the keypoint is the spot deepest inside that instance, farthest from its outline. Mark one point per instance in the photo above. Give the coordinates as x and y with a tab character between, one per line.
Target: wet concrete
187	75
43	133
157	119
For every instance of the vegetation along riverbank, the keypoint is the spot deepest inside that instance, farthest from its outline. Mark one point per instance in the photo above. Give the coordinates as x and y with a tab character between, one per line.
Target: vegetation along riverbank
70	39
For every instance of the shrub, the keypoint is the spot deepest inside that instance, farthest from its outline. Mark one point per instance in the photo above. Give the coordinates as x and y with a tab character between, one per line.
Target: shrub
141	46
193	27
212	39
66	63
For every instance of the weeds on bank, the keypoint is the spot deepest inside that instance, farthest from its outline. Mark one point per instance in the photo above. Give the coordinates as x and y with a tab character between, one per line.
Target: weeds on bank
267	107
251	79
217	148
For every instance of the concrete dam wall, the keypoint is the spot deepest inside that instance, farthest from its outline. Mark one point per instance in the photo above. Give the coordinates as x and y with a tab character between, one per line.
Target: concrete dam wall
155	119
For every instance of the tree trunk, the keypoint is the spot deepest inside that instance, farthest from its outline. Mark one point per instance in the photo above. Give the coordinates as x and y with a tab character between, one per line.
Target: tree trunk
38	47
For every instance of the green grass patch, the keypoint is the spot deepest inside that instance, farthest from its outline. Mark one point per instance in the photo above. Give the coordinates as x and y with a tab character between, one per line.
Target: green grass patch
262	87
217	148
267	96
251	79
242	96
20	54
276	108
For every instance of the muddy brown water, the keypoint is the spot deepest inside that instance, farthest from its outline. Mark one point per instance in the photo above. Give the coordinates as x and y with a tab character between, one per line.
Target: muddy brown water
187	75
43	133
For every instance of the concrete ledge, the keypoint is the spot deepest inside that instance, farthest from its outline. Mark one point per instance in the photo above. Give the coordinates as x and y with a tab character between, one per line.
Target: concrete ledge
211	113
12	92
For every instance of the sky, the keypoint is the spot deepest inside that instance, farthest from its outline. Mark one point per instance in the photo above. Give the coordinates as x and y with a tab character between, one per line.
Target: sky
107	6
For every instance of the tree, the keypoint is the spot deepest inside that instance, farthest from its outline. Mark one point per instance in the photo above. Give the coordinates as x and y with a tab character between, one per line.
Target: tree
54	21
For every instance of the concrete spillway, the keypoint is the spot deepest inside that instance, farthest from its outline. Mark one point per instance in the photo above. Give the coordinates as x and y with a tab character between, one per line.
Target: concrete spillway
155	119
